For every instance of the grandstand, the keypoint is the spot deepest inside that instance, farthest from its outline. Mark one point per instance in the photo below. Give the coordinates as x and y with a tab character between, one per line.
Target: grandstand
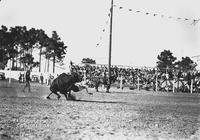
143	78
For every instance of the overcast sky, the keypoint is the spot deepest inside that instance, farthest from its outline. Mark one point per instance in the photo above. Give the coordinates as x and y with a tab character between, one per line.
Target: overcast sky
137	38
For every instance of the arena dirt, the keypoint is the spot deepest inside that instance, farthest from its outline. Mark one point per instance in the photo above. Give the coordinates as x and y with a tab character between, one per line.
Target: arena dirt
115	115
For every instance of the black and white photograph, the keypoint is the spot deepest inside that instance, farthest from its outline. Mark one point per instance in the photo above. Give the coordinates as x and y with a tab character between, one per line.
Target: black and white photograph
99	70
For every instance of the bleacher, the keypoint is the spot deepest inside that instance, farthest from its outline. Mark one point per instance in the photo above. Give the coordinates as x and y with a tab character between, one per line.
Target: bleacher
143	78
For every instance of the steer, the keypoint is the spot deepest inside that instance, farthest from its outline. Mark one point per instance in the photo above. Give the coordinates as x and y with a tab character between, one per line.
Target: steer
64	83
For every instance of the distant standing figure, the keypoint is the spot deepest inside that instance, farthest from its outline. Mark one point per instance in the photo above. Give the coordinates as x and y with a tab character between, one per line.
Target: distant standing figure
28	80
97	82
20	78
50	78
41	79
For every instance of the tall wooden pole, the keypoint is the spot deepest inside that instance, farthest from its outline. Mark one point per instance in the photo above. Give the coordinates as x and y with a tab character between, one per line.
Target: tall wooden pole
40	59
110	47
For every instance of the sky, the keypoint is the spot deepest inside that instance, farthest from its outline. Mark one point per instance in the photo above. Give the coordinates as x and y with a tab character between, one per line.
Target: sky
137	38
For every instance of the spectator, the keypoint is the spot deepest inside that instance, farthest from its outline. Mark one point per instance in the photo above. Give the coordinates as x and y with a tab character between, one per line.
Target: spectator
20	78
41	79
28	80
49	79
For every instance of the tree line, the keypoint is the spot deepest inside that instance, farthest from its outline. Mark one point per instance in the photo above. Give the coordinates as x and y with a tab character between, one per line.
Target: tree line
166	61
18	43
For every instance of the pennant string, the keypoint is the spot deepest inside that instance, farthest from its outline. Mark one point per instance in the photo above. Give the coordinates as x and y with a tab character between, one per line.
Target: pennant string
103	32
194	21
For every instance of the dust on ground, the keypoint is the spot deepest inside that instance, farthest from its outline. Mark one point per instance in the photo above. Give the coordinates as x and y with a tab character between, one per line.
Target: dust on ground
115	115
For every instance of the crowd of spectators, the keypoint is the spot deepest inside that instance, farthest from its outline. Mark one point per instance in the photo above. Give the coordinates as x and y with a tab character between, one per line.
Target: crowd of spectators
144	77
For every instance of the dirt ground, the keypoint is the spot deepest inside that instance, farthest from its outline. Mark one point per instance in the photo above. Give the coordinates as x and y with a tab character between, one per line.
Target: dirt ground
116	115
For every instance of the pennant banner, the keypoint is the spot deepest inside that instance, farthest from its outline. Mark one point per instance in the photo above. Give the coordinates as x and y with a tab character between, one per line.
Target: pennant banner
103	32
193	21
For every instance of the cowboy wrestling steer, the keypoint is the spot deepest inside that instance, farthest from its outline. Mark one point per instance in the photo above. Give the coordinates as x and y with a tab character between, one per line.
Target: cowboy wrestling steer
65	83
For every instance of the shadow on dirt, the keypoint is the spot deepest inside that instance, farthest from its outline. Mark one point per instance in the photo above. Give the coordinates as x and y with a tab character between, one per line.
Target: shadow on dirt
93	101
